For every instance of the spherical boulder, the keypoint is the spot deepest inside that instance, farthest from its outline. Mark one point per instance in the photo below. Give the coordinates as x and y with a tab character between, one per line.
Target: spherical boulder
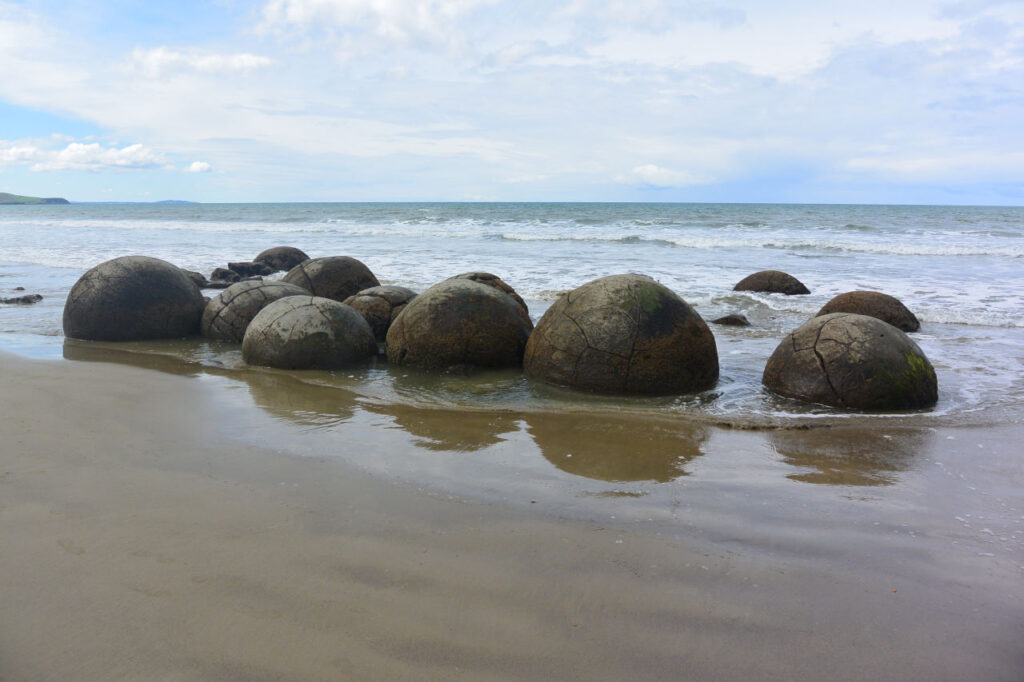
133	298
459	322
228	315
380	306
307	332
499	284
852	361
624	334
874	304
772	282
334	277
281	257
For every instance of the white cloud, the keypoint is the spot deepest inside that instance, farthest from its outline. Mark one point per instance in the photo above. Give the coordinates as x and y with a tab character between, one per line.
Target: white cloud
198	167
78	156
656	176
162	60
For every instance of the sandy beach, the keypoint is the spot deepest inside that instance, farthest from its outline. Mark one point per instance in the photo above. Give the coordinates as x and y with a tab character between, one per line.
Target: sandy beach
143	540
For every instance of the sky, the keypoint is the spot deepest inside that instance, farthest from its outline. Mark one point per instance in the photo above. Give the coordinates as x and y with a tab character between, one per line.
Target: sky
912	102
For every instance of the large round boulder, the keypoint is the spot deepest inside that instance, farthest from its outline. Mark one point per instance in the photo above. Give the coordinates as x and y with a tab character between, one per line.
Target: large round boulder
281	257
852	361
228	315
772	282
498	283
334	277
380	306
874	304
623	334
132	298
459	322
307	332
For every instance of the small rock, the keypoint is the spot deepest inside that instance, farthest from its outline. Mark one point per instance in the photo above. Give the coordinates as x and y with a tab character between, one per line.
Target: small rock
251	269
27	299
772	282
733	320
224	275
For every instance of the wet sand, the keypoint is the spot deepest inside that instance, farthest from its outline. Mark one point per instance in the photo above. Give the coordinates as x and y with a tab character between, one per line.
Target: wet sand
160	527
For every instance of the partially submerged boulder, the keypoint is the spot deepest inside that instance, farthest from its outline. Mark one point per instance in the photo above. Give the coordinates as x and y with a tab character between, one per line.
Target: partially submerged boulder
26	299
623	334
732	320
281	257
852	361
133	298
874	304
772	282
224	275
308	332
228	315
380	306
197	278
334	277
249	269
459	322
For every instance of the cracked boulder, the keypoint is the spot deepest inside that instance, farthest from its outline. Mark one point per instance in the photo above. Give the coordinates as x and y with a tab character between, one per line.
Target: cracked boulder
459	322
624	334
133	298
280	258
874	304
499	284
307	332
228	315
380	306
334	277
852	361
772	282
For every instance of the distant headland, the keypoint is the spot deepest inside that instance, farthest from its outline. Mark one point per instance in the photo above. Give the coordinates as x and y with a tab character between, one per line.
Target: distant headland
6	198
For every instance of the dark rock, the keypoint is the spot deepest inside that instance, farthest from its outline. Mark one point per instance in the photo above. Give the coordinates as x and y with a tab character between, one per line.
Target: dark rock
874	304
623	334
228	315
132	298
334	277
459	322
27	299
251	269
197	278
853	361
380	306
224	275
19	288
499	284
733	320
308	332
218	284
772	281
281	257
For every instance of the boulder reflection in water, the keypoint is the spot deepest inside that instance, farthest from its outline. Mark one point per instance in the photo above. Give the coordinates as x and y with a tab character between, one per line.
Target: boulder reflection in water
849	456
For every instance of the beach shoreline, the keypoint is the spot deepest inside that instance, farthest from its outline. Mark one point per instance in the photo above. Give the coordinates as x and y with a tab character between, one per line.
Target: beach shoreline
146	538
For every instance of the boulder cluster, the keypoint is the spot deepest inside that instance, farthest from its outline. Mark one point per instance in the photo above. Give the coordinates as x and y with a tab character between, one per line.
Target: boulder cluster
623	334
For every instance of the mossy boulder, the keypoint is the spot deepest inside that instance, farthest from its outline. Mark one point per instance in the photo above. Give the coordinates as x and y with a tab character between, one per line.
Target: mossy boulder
380	306
334	277
874	304
307	332
772	282
852	361
281	258
624	334
133	298
459	322
228	314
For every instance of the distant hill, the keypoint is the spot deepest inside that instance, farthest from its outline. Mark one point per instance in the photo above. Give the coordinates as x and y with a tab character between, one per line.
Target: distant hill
6	198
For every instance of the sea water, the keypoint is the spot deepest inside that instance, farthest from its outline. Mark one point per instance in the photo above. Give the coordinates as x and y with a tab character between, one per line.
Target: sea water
959	269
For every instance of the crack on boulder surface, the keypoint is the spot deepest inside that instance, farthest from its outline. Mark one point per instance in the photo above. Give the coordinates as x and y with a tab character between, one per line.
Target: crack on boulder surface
821	363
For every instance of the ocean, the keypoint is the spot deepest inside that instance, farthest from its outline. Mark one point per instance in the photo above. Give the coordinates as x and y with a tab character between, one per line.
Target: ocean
957	268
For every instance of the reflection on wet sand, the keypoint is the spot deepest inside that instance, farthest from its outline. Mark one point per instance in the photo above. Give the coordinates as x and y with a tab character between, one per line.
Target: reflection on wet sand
302	402
125	354
616	448
849	456
442	429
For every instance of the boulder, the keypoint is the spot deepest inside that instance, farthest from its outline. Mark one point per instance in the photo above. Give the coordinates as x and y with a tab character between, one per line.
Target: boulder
380	306
733	320
772	282
874	304
334	277
224	275
852	361
132	298
251	269
197	278
307	332
624	334
27	299
499	284
227	316
281	258
459	322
